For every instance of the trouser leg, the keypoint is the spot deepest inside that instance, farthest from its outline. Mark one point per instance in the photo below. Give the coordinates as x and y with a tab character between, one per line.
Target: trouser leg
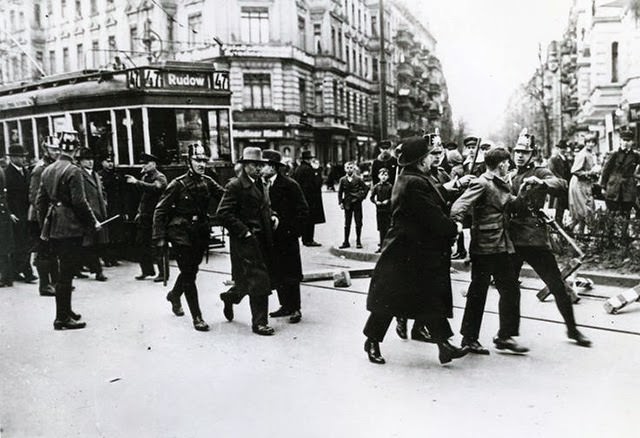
69	252
357	214
509	290
6	274
259	310
145	250
460	249
377	326
348	215
544	263
481	267
438	327
188	260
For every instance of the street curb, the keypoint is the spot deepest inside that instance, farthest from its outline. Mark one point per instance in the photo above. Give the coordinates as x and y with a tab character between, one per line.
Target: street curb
600	278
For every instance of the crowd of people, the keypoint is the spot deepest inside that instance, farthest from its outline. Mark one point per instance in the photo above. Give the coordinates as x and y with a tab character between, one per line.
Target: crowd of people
425	193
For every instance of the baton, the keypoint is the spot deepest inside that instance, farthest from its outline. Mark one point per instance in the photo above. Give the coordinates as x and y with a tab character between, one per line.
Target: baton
111	219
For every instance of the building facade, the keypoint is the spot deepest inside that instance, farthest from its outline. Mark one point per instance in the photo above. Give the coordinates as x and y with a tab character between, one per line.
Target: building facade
304	73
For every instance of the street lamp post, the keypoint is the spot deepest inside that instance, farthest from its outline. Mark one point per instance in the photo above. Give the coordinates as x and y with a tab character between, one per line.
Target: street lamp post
383	75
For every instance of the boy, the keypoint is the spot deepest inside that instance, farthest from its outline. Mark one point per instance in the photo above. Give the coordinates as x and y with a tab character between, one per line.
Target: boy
381	196
352	190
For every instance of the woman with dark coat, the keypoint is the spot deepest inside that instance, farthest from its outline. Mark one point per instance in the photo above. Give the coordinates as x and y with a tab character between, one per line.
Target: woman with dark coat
412	279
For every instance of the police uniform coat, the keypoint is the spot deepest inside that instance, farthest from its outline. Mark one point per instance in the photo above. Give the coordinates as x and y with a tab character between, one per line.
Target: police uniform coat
181	216
243	208
525	228
411	278
618	178
310	181
287	201
66	214
34	185
95	196
6	228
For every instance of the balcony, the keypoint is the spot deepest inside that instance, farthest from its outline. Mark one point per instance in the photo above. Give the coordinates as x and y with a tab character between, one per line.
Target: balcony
419	69
373	44
404	102
328	62
405	70
434	88
433	63
404	39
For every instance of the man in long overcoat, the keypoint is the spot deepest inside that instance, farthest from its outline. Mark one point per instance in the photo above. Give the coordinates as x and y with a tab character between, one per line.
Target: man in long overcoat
113	185
17	184
560	166
619	175
288	202
412	278
6	235
310	180
244	211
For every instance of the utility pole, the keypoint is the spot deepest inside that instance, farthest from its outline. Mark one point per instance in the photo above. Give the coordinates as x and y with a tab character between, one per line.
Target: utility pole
383	75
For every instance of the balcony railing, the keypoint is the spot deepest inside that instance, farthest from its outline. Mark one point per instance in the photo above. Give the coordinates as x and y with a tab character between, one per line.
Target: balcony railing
404	38
405	70
327	62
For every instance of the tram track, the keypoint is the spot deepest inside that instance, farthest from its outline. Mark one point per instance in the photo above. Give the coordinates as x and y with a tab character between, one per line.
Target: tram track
490	312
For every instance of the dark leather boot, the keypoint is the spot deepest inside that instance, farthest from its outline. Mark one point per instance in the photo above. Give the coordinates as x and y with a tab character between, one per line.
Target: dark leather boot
449	352
401	327
577	336
373	351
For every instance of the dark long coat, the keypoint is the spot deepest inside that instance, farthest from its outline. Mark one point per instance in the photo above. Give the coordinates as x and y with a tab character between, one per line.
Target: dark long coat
95	196
412	278
618	178
310	181
18	200
292	209
113	190
560	167
6	229
243	208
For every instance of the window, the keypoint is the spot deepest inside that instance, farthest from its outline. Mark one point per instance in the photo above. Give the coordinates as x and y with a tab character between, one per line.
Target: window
98	129
78	8
317	37
302	89
360	63
254	24
63	8
36	15
24	66
194	25
21	22
52	62
65	59
302	34
340	44
319	99
374	26
80	56
95	53
353	59
348	105
12	20
137	136
256	92
133	37
346	51
39	59
614	61
94	7
122	137
27	136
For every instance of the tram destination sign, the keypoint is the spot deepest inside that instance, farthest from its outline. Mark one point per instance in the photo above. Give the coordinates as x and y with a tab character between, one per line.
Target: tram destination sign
177	80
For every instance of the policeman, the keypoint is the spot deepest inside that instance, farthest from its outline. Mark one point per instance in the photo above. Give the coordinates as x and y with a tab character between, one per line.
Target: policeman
65	215
530	236
181	218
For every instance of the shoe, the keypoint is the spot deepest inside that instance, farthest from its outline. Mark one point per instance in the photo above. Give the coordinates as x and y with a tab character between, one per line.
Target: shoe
47	291
158	279
372	349
344	245
281	312
107	264
101	277
227	311
358	245
176	307
75	316
81	276
30	279
263	330
509	344
115	263
401	327
459	256
580	339
295	317
200	325
378	251
312	243
474	346
449	352
143	276
68	324
421	334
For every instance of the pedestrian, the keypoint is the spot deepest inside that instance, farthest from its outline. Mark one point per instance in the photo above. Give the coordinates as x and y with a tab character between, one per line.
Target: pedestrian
181	218
488	198
66	217
352	190
381	197
245	212
474	156
384	160
45	261
113	186
619	175
530	237
6	235
287	201
455	160
560	166
412	279
94	241
17	186
584	173
150	185
310	181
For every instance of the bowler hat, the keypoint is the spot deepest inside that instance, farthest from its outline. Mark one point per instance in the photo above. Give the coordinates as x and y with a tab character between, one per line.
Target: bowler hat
562	144
252	155
145	158
411	149
626	133
17	150
273	157
306	155
84	154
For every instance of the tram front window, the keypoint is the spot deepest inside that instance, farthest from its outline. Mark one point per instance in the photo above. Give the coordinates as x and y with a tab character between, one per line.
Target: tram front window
99	134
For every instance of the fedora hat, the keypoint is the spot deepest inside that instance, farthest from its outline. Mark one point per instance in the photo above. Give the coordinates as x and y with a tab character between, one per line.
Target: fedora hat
273	157
306	155
252	155
411	149
17	150
145	158
84	154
